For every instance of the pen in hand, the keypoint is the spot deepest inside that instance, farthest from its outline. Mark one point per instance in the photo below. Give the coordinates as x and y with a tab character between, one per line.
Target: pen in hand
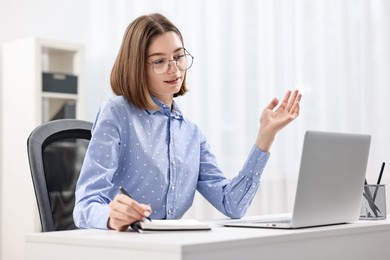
123	191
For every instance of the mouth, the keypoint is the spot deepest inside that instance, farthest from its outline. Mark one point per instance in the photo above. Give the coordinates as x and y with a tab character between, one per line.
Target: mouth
173	81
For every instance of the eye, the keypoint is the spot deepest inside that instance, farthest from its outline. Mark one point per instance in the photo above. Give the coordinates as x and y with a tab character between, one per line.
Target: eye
159	61
179	57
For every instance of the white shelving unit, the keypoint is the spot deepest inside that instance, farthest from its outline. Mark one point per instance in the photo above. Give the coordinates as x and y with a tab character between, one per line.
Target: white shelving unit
25	106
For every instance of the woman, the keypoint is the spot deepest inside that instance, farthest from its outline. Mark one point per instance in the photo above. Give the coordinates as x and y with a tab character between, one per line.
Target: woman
141	141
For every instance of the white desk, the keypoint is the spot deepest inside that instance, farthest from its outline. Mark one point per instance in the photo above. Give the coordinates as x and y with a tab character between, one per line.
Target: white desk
361	240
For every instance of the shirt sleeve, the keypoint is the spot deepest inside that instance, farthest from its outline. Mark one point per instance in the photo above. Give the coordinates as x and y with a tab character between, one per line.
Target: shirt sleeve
231	197
94	189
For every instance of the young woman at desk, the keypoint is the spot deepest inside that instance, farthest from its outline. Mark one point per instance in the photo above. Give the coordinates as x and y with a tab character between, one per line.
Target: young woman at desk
142	141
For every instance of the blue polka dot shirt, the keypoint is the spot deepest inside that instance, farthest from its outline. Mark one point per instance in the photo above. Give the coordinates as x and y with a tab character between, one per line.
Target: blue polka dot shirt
161	159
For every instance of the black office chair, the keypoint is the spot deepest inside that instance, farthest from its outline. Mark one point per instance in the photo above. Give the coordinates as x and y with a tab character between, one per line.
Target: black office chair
56	152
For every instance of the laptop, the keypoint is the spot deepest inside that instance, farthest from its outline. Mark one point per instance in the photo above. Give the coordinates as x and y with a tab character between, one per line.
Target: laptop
330	182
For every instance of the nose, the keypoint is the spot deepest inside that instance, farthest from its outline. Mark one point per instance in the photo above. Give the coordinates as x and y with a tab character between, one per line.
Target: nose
172	68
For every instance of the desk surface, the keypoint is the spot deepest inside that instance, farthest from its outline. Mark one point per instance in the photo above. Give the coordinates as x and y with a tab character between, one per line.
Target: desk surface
360	240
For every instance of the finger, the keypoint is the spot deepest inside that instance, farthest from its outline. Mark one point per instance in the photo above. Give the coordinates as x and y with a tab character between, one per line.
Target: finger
295	107
119	216
130	207
295	112
292	101
272	104
142	209
118	220
123	212
285	100
147	210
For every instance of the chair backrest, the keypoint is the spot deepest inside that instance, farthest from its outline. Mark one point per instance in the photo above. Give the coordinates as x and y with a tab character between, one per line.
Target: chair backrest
56	151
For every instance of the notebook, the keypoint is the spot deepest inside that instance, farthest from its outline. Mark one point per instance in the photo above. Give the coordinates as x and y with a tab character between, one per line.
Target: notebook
171	225
330	182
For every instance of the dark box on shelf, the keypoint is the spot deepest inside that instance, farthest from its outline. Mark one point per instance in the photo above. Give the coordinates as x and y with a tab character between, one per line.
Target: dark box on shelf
59	83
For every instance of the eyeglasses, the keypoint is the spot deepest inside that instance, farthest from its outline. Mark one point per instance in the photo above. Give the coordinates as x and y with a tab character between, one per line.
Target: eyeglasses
183	62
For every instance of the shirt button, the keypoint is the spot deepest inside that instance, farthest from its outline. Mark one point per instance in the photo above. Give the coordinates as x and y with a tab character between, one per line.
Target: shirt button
173	163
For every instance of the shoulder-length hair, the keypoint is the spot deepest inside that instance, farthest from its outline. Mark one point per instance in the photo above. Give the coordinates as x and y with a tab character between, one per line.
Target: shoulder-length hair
128	75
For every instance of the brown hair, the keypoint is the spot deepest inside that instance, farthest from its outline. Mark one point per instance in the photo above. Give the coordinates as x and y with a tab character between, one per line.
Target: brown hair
128	75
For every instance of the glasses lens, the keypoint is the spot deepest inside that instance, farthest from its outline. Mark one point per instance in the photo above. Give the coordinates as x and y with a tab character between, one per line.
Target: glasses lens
187	63
183	63
160	67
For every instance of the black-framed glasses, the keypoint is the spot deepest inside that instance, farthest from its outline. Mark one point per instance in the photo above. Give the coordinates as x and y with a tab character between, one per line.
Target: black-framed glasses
182	61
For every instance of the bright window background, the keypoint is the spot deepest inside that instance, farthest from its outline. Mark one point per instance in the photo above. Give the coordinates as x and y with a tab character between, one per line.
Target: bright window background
246	52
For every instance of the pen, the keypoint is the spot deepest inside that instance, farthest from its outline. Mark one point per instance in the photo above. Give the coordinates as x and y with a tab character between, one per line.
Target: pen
379	180
380	174
123	191
371	201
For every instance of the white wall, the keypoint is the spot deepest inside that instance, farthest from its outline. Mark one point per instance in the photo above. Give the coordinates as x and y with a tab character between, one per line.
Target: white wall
57	20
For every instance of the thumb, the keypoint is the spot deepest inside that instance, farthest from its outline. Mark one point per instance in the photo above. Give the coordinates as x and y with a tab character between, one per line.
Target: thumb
273	104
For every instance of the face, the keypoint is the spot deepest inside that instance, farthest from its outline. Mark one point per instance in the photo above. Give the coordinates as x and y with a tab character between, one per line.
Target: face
165	85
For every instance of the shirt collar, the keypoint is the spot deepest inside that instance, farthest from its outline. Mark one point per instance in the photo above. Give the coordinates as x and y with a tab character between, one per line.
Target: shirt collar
164	109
